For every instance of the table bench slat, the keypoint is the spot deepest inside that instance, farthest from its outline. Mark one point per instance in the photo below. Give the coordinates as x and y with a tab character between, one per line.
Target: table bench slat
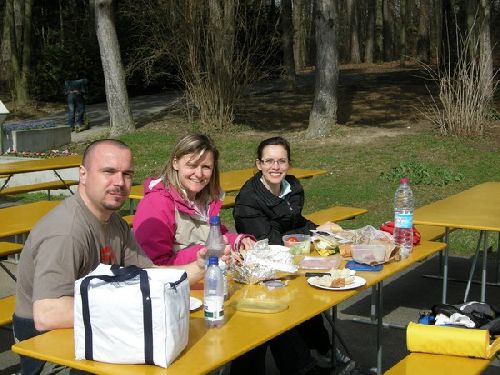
49	185
7	306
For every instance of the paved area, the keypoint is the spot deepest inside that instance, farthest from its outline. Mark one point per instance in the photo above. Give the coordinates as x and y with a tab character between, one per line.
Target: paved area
144	108
405	297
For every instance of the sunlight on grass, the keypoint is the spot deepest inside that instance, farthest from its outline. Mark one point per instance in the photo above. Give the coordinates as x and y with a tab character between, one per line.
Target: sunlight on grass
354	171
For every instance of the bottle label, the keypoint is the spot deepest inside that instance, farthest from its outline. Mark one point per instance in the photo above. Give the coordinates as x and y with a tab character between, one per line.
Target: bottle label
403	220
214	308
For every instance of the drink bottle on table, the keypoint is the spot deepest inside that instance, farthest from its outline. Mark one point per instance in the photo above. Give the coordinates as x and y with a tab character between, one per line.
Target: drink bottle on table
404	204
215	241
214	294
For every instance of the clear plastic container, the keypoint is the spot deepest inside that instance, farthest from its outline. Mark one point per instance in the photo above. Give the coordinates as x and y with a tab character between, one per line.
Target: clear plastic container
369	254
404	204
298	243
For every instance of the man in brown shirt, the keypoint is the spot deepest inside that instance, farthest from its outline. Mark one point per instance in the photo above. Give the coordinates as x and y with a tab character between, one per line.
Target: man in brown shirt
72	239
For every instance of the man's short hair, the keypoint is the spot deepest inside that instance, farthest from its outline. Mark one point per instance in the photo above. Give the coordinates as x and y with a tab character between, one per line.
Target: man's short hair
90	148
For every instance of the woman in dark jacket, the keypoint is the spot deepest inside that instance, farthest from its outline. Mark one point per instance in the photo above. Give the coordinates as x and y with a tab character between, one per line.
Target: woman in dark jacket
269	206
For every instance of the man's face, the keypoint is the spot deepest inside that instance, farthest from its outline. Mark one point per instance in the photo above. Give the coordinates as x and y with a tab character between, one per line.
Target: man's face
105	181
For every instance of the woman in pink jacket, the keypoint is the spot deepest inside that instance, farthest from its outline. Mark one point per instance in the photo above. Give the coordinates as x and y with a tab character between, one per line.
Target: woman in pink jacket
172	220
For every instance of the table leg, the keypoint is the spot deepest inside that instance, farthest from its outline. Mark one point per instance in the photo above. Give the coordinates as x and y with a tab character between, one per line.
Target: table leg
62	180
498	258
445	265
379	326
473	266
485	260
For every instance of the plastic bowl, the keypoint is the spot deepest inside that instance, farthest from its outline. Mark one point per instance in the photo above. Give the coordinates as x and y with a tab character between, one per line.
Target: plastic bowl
368	254
298	243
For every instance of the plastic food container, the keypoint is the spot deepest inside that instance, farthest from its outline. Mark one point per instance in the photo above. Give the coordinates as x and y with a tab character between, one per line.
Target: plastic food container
368	254
298	243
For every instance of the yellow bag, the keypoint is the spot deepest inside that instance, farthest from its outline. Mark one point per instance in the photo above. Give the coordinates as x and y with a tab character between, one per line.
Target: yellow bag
451	341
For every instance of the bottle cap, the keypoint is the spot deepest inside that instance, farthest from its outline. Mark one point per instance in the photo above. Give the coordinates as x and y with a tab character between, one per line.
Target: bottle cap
214	220
213	260
404	180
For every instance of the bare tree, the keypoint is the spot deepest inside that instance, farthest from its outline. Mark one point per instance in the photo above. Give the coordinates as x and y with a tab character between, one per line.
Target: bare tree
287	42
486	60
388	31
423	32
352	12
323	115
370	32
379	25
300	21
120	116
402	33
19	25
5	69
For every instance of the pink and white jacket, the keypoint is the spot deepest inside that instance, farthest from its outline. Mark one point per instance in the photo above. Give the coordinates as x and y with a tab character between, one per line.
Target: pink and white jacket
169	229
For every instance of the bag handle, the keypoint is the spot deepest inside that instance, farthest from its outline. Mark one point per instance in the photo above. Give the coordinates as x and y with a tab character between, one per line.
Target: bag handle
121	274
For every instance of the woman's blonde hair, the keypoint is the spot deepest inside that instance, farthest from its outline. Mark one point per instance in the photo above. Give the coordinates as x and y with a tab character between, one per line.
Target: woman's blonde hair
198	145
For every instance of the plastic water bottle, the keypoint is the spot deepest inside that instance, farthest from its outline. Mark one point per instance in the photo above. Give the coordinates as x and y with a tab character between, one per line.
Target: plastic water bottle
404	203
225	286
215	242
214	294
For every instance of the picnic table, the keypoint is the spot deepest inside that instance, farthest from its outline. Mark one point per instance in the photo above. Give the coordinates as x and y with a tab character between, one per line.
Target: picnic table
8	170
233	180
209	349
477	208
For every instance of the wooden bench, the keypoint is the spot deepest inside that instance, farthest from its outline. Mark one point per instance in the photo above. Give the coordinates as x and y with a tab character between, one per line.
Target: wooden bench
431	232
437	364
49	185
6	249
336	213
7	306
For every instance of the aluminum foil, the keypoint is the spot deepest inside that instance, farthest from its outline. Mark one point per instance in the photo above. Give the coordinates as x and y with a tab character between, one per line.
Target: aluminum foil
262	262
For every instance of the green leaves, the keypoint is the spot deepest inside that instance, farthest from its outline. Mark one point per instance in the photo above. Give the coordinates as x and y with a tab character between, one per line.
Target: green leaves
422	174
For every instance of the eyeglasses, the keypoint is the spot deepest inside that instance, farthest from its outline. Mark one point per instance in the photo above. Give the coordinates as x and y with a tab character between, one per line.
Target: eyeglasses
271	162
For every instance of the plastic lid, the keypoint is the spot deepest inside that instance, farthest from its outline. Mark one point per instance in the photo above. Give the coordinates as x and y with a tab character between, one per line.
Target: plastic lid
404	180
213	261
214	220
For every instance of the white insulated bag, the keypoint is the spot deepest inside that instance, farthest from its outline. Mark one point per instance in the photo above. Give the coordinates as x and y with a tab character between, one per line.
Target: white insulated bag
131	315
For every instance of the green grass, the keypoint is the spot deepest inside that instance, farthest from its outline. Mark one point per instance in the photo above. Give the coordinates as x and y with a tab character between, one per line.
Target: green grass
357	174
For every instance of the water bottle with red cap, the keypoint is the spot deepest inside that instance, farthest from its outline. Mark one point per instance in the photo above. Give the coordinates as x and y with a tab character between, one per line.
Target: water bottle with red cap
404	204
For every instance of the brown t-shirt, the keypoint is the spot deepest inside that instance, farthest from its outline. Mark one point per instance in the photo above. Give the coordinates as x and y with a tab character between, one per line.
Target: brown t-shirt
64	246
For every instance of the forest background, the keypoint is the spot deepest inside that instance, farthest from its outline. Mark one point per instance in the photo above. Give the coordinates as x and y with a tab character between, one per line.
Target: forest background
367	105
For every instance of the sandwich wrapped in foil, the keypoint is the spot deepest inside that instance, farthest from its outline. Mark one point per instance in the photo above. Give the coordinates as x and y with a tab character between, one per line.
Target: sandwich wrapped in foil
262	262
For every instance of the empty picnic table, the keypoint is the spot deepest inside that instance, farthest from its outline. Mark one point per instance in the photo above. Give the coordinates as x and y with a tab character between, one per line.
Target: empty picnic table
7	170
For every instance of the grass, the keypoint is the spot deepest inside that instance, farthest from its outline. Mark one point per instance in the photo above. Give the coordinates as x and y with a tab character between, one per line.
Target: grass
357	173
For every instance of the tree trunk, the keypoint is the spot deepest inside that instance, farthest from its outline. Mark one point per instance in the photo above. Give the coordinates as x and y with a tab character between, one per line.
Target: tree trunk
437	31
20	44
323	115
379	24
5	51
402	34
486	61
370	32
352	11
388	23
300	20
423	32
287	42
120	116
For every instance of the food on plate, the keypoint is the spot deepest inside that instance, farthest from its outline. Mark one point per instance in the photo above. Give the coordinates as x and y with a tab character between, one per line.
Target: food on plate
345	250
325	245
336	279
335	228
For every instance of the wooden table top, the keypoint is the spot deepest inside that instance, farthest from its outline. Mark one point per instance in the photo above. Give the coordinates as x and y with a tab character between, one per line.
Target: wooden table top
234	180
209	349
437	364
35	165
477	208
21	219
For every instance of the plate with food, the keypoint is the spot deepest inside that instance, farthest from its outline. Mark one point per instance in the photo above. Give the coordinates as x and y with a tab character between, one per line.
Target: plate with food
337	280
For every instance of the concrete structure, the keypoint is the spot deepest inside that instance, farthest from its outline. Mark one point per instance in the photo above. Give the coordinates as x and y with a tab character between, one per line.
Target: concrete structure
35	140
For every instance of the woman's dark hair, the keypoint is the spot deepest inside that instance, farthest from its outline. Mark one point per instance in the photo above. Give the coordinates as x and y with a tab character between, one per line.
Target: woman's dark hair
274	141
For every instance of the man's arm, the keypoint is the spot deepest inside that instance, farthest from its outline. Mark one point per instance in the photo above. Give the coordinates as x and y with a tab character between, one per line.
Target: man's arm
53	313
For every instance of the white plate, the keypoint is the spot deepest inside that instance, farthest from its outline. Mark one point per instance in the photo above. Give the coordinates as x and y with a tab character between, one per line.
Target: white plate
358	281
194	303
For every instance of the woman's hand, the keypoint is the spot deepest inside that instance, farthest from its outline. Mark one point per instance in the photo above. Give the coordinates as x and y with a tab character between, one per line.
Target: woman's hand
246	244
